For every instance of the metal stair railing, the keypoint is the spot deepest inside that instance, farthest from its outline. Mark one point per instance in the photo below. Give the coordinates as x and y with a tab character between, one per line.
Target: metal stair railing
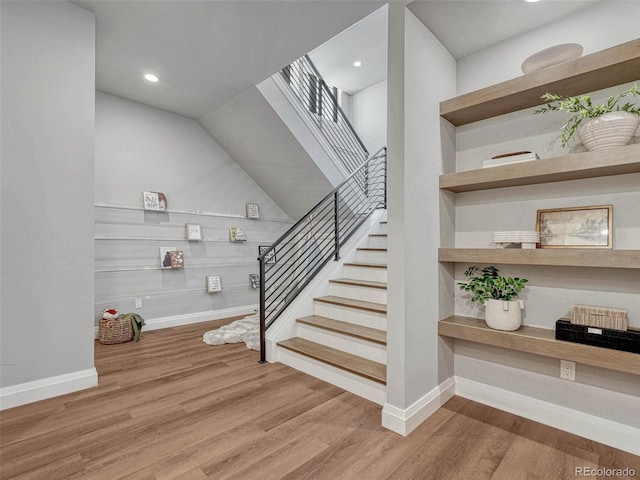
320	104
292	261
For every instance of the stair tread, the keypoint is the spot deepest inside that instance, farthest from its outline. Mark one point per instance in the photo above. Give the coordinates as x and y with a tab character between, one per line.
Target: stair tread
346	328
348	302
360	283
372	249
365	265
377	234
346	361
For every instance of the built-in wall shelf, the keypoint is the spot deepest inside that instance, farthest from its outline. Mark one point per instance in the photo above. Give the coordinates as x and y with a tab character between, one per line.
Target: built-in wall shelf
615	161
561	257
607	68
540	341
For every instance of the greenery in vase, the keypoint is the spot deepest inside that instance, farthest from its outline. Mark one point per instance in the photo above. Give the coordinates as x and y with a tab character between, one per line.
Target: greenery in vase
485	284
583	108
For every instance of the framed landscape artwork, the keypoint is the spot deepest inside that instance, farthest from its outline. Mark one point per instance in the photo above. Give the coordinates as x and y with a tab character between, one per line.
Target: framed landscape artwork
576	227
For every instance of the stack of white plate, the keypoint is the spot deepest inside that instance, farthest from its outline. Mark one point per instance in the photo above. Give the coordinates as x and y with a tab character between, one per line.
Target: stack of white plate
527	239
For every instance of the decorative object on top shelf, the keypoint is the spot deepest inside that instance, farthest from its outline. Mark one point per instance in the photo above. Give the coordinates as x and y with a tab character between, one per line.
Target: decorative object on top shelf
602	317
270	257
253	210
600	127
214	284
194	232
576	227
551	56
513	157
525	240
165	256
155	201
499	295
237	235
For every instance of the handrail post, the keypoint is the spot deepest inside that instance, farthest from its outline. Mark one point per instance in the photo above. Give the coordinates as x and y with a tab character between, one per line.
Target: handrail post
386	165
336	225
263	342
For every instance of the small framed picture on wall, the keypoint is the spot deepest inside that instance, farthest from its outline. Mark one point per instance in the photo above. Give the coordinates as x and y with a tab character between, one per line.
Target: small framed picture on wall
194	232
253	210
155	201
214	284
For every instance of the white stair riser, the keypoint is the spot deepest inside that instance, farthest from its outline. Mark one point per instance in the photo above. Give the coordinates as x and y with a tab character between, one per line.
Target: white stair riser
368	294
345	343
351	315
382	228
377	242
368	256
365	273
363	387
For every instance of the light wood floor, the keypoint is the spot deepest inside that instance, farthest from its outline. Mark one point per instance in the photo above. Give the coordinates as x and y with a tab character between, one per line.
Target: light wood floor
172	407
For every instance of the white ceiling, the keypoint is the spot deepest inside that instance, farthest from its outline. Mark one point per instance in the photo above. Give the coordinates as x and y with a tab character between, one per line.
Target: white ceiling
207	51
465	27
365	41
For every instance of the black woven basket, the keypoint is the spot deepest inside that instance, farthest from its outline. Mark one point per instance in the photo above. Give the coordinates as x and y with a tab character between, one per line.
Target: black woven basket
628	341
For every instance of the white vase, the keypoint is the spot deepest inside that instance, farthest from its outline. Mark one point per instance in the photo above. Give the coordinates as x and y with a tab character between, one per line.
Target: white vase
613	129
503	314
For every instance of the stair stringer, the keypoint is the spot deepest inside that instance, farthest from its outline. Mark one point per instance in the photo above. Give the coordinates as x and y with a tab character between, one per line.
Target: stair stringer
285	326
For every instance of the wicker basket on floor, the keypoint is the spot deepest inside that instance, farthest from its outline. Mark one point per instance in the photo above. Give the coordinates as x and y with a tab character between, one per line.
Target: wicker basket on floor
116	330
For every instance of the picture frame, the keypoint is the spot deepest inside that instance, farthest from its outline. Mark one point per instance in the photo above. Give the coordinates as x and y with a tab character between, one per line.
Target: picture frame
214	284
576	227
165	257
236	234
271	256
194	231
253	211
155	201
254	278
177	259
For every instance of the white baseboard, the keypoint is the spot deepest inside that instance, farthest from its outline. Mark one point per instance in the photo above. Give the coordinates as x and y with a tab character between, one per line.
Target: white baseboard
189	318
617	435
404	421
16	395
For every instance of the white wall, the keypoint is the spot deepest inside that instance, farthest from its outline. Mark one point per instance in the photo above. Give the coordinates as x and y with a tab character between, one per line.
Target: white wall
140	148
48	66
249	128
369	116
603	25
551	290
420	69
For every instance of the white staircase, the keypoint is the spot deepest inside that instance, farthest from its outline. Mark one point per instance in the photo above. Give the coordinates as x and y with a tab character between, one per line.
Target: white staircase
344	341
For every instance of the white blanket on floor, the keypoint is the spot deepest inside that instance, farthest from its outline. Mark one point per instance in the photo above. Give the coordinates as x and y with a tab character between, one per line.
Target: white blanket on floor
245	330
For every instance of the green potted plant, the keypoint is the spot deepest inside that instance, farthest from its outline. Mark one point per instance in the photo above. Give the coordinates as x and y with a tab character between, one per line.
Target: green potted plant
498	294
599	126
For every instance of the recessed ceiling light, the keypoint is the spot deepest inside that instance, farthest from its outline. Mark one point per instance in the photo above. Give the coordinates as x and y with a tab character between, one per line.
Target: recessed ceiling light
150	77
357	63
531	1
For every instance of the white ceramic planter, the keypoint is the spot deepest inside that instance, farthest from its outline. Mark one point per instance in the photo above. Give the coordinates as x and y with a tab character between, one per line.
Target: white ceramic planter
610	130
503	315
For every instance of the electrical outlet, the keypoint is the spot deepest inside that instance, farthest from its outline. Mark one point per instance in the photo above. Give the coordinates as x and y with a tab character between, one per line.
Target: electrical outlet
138	303
568	370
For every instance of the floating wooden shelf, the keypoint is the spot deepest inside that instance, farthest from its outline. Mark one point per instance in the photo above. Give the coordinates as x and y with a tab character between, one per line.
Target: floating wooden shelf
607	68
615	161
562	257
540	341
